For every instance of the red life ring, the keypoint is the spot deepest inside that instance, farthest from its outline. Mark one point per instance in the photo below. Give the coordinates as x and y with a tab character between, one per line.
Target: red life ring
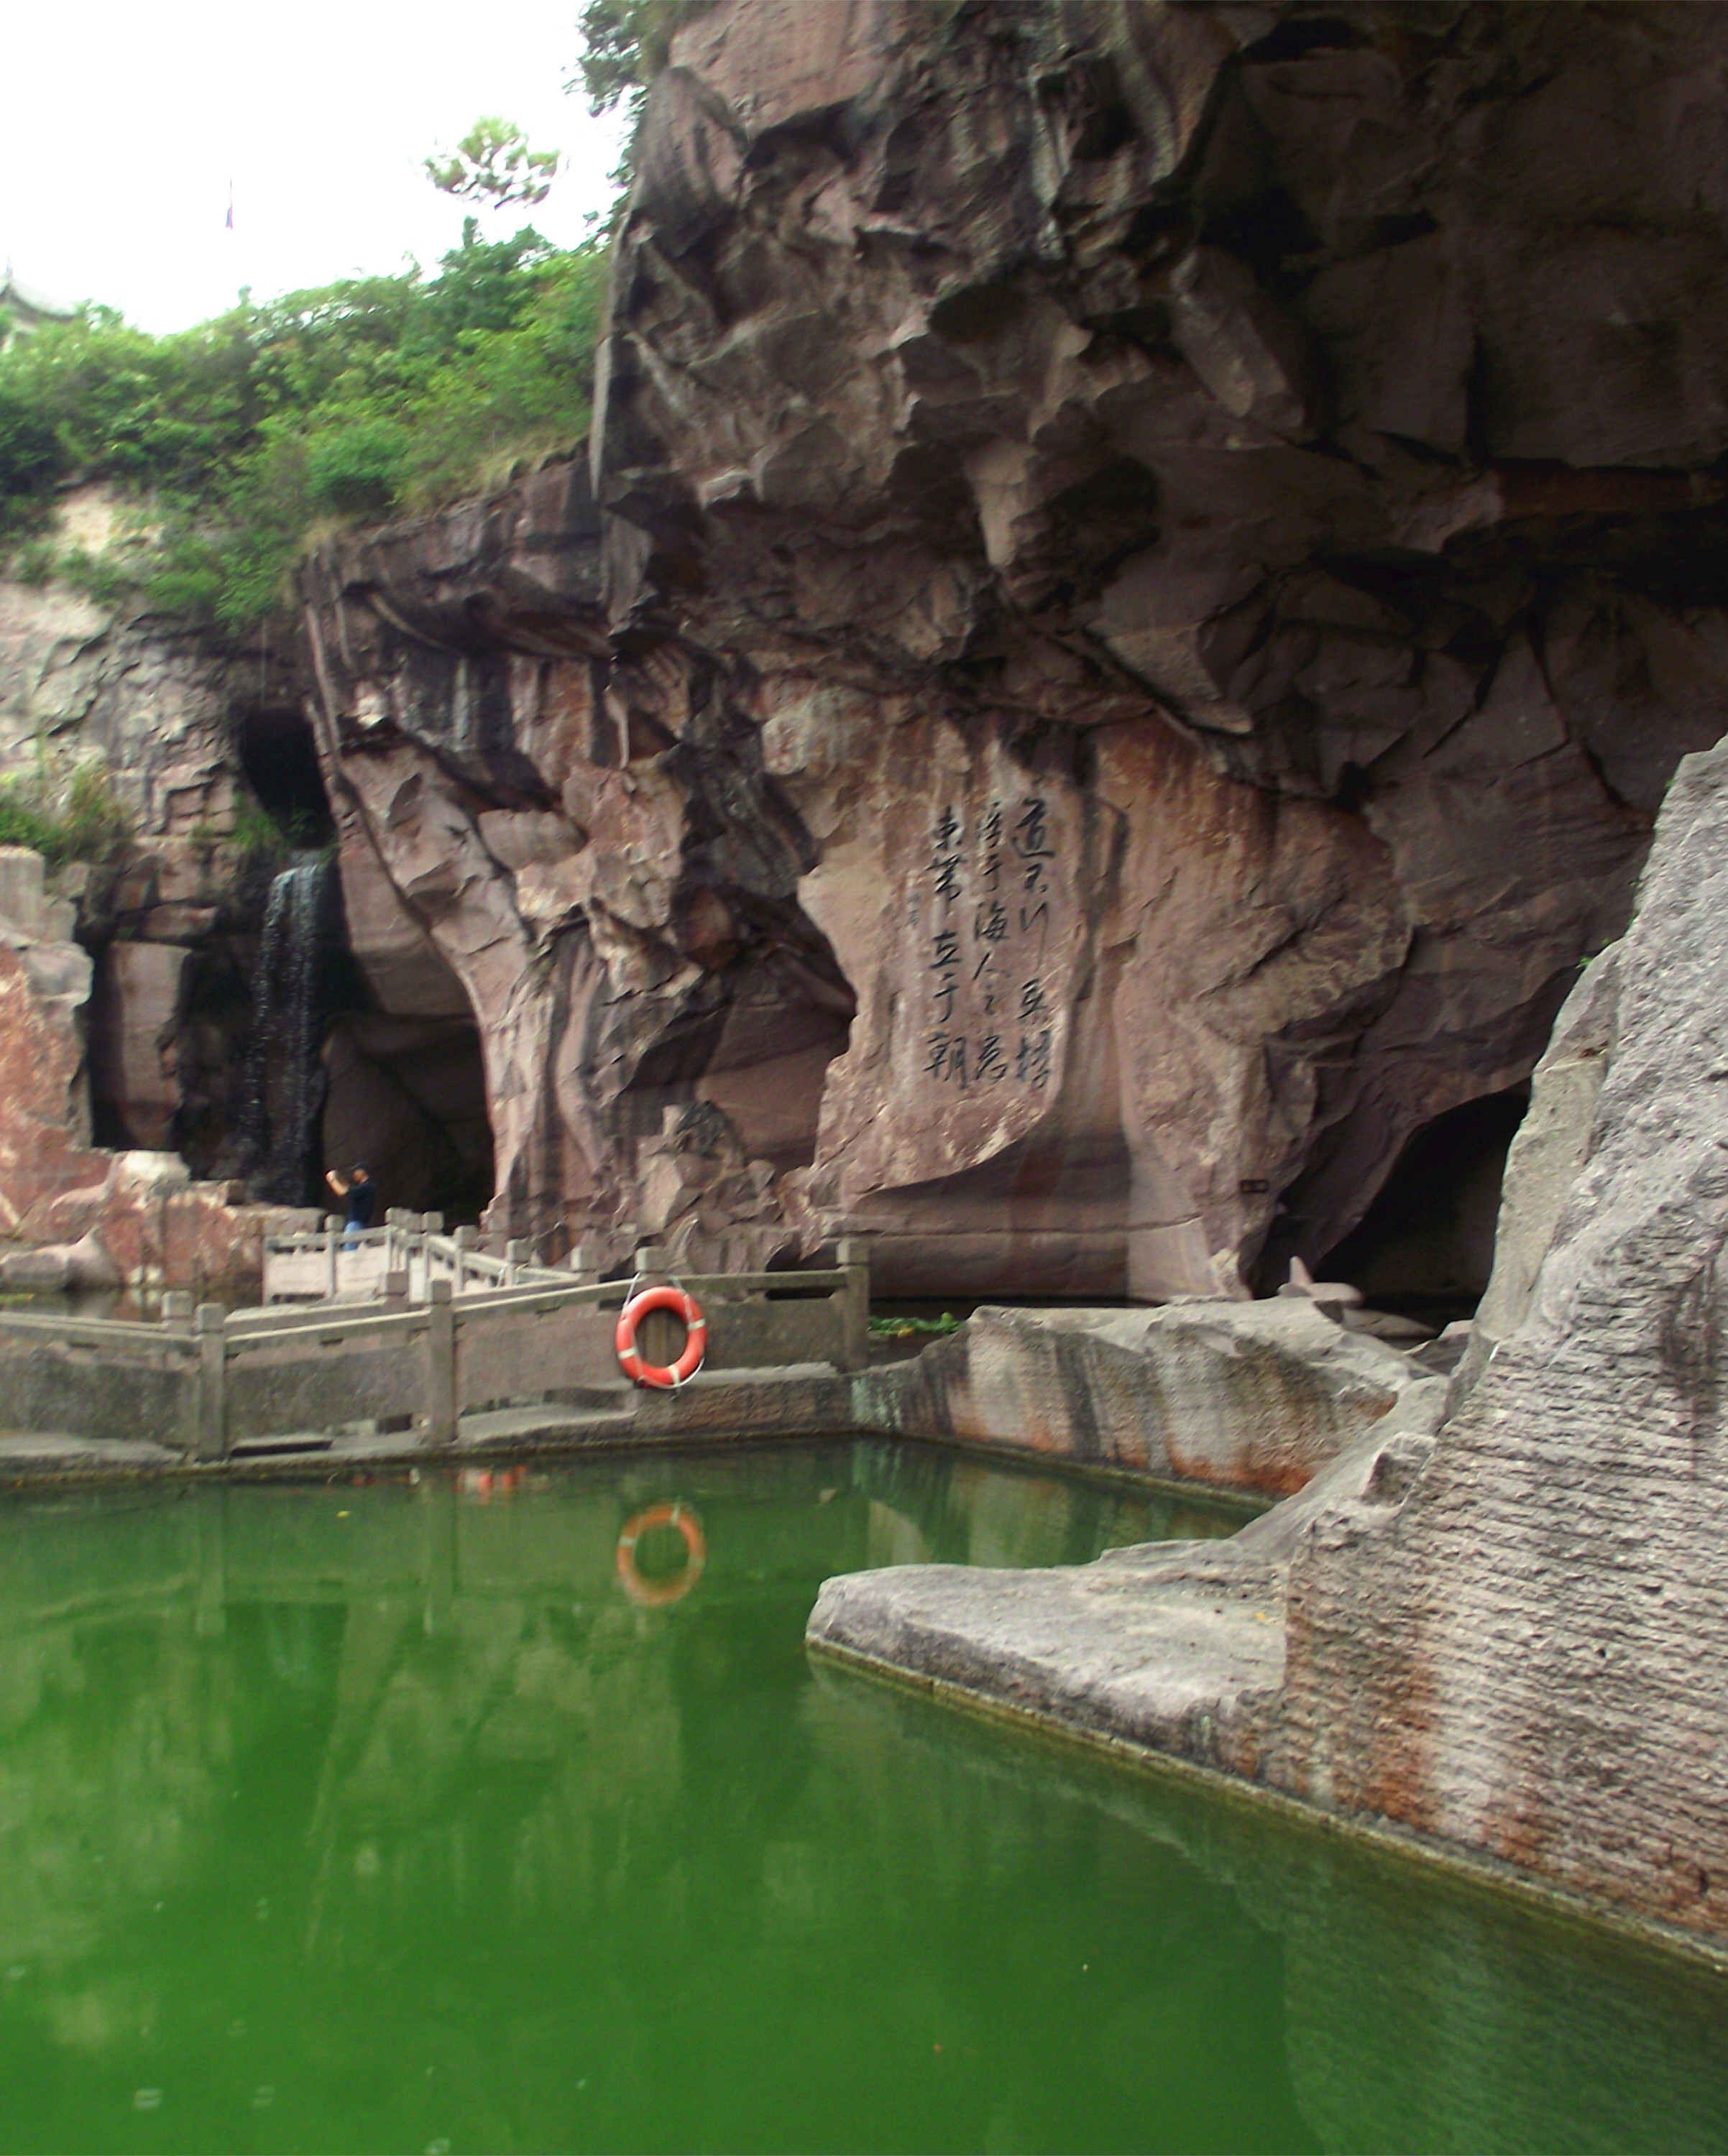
656	1594
695	1346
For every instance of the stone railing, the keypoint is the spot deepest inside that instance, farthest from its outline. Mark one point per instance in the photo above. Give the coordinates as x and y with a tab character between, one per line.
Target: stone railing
209	1383
397	1261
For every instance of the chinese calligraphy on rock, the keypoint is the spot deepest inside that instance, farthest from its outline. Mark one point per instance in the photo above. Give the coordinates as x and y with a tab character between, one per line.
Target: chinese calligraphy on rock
991	1014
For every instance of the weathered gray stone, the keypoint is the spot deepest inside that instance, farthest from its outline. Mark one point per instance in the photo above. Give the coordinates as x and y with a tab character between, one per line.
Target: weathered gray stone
1550	1147
1511	1635
1525	1655
1176	1646
1248	1396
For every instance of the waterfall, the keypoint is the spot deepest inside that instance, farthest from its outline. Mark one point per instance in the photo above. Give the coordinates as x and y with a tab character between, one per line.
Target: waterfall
284	1076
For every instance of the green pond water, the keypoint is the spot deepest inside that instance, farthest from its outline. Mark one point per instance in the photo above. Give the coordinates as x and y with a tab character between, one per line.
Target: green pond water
411	1816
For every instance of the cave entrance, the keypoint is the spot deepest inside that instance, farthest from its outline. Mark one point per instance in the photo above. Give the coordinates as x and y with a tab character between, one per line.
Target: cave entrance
405	1072
1424	1246
407	1096
280	759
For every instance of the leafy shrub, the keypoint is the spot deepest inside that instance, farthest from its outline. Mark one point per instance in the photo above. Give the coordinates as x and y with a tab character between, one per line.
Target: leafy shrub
79	820
105	578
34	562
358	399
21	824
358	470
257	835
31	459
915	1328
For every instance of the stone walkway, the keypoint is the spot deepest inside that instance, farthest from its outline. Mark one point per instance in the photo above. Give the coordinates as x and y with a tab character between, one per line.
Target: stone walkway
807	1399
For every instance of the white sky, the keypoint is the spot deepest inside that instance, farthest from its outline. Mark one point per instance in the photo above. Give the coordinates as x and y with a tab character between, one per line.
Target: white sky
124	123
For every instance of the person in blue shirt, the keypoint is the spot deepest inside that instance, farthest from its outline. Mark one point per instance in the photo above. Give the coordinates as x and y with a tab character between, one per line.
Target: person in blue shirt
359	1193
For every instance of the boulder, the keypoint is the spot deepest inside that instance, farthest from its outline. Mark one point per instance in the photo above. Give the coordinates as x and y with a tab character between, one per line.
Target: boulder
1251	1397
58	1266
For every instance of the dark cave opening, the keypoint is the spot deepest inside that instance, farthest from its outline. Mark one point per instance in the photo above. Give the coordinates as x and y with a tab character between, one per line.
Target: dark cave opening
280	759
1424	1246
352	1045
407	1095
403	1074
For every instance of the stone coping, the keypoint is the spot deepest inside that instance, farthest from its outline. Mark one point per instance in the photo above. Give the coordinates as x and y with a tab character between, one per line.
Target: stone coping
1471	1870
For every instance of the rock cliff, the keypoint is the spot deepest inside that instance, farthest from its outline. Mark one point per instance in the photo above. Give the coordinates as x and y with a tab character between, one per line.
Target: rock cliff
165	714
1141	575
1145	571
1500	1627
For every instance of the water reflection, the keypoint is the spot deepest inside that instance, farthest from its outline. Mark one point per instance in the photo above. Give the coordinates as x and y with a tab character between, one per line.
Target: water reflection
379	1817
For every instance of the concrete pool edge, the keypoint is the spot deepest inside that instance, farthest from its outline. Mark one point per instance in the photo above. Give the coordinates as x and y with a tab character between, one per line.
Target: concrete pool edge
810	1403
62	1471
1393	1844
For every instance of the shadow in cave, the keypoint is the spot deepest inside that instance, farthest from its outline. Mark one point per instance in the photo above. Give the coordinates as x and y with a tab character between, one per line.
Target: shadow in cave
754	1045
1424	1246
405	1082
394	1074
280	761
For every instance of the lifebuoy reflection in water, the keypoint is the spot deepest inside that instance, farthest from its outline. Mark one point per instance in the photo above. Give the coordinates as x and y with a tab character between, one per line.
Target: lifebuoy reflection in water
656	1594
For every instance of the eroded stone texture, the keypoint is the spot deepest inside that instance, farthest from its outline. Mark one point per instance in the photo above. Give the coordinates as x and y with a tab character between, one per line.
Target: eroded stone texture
1505	1633
1177	1646
1147	570
589	852
44	1092
158	708
1521	1655
1254	1398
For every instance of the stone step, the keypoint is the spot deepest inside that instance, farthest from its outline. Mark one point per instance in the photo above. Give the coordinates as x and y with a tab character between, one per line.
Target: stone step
504	1427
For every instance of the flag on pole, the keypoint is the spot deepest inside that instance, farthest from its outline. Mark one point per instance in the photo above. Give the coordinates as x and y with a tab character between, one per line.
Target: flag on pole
231	206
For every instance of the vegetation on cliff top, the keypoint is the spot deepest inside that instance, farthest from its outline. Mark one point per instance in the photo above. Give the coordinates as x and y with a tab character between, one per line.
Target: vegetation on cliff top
360	399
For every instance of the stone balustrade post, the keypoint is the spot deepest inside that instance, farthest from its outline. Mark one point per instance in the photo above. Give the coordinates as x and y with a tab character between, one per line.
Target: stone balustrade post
441	1364
853	1255
209	1325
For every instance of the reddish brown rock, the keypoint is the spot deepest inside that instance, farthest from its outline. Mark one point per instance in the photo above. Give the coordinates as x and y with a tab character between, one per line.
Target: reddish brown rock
137	1016
44	1095
1243	443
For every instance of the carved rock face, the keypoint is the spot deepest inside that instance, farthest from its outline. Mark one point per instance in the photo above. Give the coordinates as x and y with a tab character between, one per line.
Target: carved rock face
1147	571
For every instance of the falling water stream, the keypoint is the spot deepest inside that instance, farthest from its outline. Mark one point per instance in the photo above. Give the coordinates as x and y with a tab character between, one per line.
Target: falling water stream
284	1077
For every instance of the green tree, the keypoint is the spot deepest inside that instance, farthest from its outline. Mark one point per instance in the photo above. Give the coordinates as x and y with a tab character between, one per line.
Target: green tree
625	45
358	400
30	458
493	164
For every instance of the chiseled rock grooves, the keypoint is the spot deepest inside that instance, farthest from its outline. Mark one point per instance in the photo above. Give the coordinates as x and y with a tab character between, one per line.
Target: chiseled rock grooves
1514	1636
1236	486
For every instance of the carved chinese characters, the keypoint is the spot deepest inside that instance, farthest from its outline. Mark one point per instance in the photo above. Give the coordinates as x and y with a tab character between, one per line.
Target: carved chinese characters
992	1012
969	909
